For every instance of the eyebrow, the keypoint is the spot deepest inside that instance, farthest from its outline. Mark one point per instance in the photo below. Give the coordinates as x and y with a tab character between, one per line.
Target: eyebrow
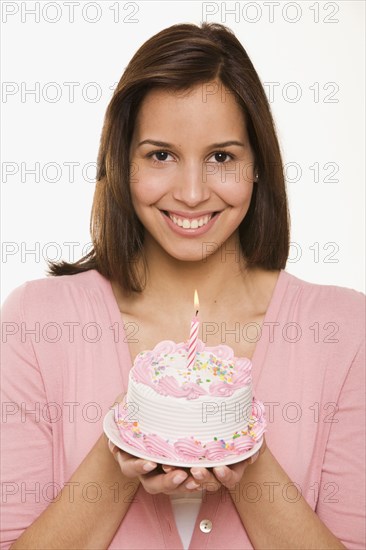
165	144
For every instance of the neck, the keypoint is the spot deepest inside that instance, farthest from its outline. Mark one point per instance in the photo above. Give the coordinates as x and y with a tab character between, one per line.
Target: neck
216	277
224	284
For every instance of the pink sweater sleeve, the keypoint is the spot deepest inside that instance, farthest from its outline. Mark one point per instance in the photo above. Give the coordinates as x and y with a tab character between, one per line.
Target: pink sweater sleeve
341	504
26	434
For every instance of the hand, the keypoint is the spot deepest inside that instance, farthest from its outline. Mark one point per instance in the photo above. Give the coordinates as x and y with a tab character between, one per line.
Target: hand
212	479
152	476
229	476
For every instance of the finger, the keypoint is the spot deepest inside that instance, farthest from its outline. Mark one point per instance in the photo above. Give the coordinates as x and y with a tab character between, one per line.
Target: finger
222	472
225	475
205	478
167	468
229	476
200	474
113	449
164	483
132	467
192	485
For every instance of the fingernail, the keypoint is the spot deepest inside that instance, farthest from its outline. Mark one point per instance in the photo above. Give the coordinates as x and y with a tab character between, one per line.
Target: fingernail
178	478
197	474
192	485
111	445
148	466
220	472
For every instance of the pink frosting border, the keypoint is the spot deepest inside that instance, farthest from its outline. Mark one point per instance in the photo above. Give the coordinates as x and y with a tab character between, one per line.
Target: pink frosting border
188	448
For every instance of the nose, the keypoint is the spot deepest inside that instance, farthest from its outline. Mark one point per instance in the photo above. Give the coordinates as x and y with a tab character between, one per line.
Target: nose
190	185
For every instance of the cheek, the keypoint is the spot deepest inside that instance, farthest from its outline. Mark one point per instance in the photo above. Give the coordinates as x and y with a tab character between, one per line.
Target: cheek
146	189
236	194
234	182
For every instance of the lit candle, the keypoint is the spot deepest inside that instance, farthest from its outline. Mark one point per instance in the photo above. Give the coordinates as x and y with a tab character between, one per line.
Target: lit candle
193	337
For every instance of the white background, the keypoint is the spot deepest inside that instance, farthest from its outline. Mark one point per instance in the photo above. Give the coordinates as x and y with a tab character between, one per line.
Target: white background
314	51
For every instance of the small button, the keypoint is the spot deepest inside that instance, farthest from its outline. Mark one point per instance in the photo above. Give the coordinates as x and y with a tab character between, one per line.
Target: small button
206	525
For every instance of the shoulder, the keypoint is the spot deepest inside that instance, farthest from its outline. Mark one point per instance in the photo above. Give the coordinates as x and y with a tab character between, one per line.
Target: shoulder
61	292
320	297
328	308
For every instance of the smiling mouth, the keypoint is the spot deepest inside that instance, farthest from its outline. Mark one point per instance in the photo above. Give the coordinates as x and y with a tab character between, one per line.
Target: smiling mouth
189	223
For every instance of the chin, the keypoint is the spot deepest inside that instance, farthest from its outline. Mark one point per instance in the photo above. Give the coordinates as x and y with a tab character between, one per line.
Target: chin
188	256
185	252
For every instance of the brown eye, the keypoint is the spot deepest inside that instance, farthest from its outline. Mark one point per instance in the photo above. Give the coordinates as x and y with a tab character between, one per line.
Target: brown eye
220	157
161	155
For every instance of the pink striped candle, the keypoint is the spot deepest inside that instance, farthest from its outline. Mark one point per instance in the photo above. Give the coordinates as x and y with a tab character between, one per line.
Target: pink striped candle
193	336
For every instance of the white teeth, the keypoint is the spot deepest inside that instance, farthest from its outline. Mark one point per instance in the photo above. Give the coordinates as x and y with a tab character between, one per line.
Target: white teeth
190	224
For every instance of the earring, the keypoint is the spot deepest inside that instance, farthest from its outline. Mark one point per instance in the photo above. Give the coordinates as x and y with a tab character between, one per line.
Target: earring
256	177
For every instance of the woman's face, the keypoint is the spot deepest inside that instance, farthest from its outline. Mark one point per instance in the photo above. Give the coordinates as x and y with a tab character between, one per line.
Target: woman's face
191	170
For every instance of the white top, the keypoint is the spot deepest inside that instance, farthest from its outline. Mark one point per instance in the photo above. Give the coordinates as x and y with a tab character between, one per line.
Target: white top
186	509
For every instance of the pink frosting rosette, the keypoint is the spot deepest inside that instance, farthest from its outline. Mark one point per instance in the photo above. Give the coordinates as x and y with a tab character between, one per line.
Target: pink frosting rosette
243	443
132	440
144	358
258	410
259	428
241	379
157	446
216	451
242	375
192	390
221	389
243	364
140	372
189	449
200	345
258	415
169	386
164	347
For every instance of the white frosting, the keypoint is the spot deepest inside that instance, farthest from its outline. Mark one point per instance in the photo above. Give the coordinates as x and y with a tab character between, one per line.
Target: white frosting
201	418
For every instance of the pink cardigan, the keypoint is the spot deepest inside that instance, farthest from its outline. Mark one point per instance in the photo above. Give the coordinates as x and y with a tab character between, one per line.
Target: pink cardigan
64	344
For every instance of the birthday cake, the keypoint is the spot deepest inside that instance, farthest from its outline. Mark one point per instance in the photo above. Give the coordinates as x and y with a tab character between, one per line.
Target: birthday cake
204	412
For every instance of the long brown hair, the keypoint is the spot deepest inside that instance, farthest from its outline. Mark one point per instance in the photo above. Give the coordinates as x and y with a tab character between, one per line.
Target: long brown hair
178	58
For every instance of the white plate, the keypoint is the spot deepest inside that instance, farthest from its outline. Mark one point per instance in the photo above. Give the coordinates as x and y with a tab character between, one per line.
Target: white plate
111	430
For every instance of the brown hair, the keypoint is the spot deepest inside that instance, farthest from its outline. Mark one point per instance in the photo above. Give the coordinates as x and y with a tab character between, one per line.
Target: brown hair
178	58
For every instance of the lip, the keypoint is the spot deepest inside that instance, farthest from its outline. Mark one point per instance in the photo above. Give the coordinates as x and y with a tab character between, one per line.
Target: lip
190	215
190	233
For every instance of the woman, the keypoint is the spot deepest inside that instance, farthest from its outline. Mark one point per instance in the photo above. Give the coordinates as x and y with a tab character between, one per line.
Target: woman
190	194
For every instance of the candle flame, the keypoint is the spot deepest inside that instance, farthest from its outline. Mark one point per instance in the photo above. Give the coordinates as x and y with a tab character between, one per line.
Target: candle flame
196	301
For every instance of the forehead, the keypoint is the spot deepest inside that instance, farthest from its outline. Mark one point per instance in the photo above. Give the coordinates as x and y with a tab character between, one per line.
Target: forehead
208	105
